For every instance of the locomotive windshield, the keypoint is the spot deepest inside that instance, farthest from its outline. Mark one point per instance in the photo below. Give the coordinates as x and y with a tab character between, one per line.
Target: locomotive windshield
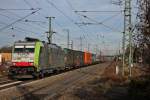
24	49
31	50
18	50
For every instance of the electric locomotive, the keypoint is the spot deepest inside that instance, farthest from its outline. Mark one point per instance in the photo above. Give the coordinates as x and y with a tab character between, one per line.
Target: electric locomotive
35	59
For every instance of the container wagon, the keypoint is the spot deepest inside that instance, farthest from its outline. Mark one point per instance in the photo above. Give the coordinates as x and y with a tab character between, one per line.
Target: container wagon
73	58
87	58
79	58
69	58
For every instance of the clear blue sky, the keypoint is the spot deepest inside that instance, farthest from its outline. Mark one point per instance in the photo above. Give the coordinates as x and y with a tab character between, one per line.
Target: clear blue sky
106	35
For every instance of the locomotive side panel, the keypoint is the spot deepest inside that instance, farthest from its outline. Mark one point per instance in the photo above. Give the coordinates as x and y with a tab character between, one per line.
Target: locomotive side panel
44	57
56	57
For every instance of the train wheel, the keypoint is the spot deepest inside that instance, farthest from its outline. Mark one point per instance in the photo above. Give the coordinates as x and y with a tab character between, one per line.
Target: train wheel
41	75
35	75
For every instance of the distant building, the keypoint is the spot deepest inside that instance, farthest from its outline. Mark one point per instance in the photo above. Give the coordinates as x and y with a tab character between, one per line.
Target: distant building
5	54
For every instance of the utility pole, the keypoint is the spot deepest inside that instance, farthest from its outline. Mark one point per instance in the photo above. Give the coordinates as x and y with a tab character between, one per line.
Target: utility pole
72	44
50	32
88	47
96	46
68	37
127	36
100	55
81	43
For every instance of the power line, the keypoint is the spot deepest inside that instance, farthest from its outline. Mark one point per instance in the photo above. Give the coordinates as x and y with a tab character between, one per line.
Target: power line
99	23
102	22
85	11
59	10
26	20
35	21
14	27
4	15
70	5
28	3
52	4
68	2
105	20
1	9
3	28
43	16
70	19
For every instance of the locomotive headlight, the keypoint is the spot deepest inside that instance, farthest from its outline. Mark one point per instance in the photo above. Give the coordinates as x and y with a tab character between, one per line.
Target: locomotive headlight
32	64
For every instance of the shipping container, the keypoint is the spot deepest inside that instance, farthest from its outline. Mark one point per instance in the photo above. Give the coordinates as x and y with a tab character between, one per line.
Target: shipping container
69	58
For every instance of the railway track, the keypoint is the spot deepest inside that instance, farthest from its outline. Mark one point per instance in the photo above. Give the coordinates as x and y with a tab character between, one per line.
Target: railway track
5	82
10	84
50	87
58	87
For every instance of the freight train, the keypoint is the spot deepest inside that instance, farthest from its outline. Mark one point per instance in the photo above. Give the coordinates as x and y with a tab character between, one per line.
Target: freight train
37	58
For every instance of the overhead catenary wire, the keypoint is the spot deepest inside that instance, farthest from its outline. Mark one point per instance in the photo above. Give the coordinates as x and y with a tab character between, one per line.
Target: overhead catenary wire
70	19
73	20
5	27
2	9
20	21
20	16
73	9
31	7
100	23
4	15
85	11
28	3
43	16
103	21
18	28
53	5
70	5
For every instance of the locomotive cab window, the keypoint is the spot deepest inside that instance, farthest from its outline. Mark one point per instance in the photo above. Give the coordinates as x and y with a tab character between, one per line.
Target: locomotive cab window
22	49
18	50
29	50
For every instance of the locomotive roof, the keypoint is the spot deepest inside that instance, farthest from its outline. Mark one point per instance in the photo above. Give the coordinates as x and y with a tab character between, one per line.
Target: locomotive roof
33	43
54	46
24	43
